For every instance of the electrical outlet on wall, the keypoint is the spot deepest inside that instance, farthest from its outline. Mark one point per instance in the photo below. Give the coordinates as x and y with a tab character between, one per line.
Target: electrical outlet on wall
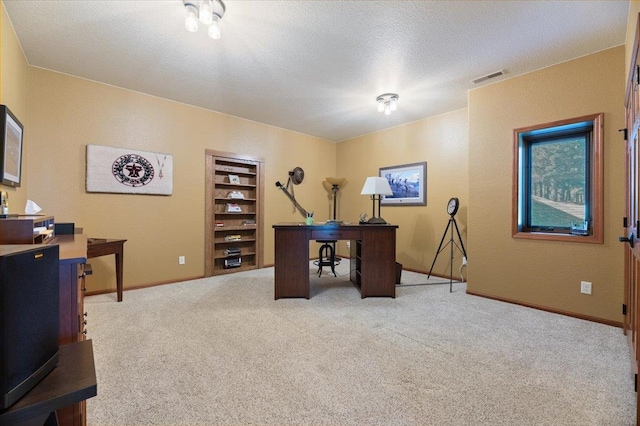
585	287
181	260
348	244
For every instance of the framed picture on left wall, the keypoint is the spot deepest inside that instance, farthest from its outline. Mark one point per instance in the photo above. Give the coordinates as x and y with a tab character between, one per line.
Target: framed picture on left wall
11	132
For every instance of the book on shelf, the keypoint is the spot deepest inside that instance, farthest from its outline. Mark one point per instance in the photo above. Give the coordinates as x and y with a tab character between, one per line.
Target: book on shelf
219	223
235	195
232	251
233	208
248	222
232	237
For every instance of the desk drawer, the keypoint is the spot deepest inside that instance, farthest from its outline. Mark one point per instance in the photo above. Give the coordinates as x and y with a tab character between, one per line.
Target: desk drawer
335	234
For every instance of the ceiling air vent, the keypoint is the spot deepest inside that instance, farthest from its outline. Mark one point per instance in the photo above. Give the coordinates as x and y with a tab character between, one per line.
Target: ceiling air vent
487	77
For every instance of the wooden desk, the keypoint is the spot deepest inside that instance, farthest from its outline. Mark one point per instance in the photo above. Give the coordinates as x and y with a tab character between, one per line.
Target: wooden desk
100	247
71	381
373	251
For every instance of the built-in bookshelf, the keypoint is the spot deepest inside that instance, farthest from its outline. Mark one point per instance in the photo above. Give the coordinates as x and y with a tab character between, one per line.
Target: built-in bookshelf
233	212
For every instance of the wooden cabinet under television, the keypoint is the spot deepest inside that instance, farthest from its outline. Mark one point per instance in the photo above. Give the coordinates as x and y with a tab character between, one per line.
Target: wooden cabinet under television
233	213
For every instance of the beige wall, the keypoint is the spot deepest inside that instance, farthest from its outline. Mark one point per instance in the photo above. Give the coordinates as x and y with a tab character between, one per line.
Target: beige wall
541	272
13	93
441	141
632	22
67	113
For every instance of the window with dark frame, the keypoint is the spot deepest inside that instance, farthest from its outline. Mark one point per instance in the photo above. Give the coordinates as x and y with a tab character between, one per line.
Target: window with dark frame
558	180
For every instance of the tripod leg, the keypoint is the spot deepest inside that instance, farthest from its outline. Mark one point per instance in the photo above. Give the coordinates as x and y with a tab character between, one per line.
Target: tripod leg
451	258
460	238
439	247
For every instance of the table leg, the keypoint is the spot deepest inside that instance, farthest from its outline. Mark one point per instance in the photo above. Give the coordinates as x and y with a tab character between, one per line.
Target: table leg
119	257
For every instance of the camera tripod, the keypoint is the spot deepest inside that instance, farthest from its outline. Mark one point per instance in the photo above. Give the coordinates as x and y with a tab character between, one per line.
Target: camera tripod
450	243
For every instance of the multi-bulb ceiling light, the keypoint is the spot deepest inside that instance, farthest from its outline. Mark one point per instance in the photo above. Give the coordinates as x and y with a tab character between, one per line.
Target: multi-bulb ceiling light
387	103
209	12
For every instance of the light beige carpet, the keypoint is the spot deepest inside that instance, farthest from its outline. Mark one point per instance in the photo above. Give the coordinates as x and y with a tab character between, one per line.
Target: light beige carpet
221	351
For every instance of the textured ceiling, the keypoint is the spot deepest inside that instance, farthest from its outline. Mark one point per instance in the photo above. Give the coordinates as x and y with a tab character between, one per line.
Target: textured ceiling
314	67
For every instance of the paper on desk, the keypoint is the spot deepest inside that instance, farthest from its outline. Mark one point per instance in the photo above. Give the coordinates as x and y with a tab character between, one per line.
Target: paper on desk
31	207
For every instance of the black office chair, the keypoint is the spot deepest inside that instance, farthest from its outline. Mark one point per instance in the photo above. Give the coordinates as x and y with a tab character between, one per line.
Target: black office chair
327	256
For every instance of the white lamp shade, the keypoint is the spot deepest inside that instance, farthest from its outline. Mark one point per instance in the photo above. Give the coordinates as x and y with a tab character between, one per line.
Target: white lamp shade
376	186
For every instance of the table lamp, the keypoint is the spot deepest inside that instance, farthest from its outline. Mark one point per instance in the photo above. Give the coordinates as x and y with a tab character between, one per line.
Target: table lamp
376	187
333	184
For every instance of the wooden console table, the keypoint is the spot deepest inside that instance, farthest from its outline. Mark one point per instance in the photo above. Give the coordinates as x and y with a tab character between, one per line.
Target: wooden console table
100	247
73	380
373	249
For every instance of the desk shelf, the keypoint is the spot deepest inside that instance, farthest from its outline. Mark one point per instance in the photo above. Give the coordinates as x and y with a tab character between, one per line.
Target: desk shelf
21	229
355	253
227	173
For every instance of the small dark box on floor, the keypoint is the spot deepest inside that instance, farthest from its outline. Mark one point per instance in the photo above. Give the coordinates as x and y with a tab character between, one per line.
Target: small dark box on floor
398	272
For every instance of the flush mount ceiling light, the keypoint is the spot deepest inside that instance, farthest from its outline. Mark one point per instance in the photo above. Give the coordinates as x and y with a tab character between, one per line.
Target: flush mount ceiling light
387	103
209	12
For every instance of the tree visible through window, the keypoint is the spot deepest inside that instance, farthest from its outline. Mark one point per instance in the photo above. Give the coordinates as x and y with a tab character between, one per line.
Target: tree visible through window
559	183
558	170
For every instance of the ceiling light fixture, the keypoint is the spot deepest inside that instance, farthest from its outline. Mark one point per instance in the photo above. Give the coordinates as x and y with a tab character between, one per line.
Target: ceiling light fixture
387	102
209	12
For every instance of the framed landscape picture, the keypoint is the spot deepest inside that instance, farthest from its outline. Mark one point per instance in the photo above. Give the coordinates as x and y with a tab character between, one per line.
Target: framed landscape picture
408	183
11	131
